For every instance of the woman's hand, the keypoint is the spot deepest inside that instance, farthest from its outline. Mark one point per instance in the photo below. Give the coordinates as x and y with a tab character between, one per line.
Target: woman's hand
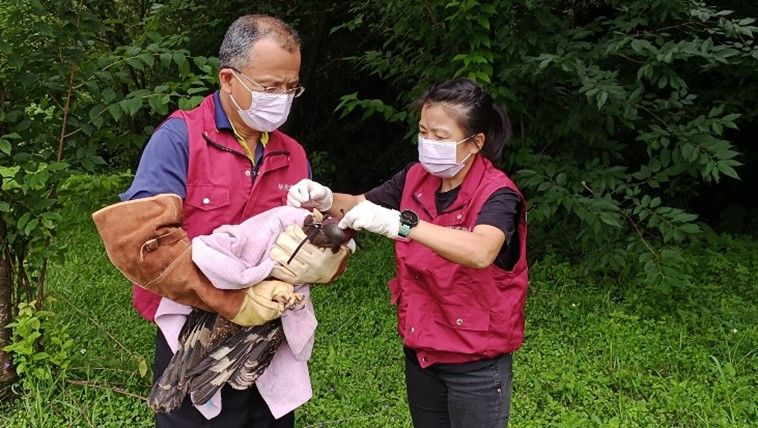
309	194
372	217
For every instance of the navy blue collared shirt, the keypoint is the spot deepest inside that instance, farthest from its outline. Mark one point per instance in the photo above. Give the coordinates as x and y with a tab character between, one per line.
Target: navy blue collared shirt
164	162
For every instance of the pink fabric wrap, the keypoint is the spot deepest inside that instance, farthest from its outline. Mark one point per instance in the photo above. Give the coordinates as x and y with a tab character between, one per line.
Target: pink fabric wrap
235	257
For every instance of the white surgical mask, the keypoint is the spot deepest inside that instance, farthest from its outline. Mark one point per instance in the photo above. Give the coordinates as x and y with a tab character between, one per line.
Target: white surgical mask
440	158
267	112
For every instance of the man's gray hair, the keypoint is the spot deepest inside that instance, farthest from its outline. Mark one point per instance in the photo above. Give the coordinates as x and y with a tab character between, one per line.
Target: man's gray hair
248	29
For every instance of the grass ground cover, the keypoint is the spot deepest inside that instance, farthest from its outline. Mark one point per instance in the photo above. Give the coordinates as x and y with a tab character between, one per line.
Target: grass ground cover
596	353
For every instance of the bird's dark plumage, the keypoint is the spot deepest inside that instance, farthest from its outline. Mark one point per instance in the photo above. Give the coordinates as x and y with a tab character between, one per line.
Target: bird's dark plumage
214	351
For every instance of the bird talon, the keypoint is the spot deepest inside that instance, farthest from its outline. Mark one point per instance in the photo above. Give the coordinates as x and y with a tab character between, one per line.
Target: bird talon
318	216
297	298
288	301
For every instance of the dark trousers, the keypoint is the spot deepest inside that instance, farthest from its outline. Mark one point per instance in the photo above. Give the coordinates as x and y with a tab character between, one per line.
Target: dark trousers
238	408
470	395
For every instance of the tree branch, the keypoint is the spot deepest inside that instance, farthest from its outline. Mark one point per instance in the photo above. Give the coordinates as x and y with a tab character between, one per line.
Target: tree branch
66	110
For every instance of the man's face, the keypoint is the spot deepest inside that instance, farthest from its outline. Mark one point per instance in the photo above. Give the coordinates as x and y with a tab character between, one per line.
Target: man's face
270	66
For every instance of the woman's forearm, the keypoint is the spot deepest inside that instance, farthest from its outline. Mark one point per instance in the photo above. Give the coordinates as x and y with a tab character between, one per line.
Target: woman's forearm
475	249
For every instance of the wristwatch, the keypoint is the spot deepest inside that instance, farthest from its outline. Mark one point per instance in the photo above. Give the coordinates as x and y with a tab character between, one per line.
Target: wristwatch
408	220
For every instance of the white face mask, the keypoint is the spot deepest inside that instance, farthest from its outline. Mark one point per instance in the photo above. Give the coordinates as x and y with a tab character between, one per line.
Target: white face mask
267	112
440	158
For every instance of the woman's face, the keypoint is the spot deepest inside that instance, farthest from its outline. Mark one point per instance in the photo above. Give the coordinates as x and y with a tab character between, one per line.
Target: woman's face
438	124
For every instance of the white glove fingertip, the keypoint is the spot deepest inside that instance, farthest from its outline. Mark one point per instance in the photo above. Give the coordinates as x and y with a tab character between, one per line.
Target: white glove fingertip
346	222
292	201
304	194
314	192
328	199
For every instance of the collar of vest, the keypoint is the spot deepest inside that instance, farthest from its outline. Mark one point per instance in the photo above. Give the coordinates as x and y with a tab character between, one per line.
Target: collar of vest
276	153
211	133
425	193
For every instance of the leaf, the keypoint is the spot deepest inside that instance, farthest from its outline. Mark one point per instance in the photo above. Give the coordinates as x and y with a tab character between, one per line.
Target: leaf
727	170
30	226
189	103
131	105
142	367
165	59
115	111
135	63
544	186
690	228
484	22
610	219
5	147
601	99
108	95
95	116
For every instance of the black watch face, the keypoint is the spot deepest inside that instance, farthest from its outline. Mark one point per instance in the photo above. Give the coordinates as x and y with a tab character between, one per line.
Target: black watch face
409	217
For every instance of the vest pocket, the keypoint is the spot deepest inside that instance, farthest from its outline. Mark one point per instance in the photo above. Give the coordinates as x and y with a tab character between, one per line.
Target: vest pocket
206	197
464	318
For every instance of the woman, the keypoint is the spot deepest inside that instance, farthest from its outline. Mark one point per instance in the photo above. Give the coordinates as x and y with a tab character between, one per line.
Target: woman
460	230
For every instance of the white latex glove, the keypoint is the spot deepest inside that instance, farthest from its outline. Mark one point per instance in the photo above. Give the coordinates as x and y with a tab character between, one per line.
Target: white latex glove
309	194
372	217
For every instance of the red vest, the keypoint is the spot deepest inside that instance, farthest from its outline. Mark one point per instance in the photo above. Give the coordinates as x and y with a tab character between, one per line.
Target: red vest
449	313
222	184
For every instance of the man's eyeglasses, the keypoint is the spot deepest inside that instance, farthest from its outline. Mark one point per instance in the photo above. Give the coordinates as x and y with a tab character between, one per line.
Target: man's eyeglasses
295	92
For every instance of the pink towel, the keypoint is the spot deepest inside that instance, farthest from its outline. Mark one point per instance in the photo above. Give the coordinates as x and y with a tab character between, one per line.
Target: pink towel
237	256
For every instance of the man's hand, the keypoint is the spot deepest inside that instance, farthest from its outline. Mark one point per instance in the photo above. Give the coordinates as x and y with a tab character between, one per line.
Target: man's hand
311	264
372	217
309	194
265	301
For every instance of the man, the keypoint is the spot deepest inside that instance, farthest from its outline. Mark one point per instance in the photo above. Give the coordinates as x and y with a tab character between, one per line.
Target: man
228	162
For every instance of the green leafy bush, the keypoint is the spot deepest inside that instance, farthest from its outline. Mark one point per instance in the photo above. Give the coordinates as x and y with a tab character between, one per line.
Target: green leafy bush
77	82
616	124
39	353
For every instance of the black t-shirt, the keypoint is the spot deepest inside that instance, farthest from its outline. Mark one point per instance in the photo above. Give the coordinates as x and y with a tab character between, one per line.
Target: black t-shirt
500	210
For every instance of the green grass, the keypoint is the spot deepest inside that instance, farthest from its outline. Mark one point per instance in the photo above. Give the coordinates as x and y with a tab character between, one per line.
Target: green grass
596	353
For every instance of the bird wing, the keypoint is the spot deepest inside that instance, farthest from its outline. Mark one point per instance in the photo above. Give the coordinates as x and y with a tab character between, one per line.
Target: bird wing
194	340
259	356
237	360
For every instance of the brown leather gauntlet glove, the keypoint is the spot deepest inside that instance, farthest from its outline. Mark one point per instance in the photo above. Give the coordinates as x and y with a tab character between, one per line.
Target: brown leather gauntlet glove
311	264
145	241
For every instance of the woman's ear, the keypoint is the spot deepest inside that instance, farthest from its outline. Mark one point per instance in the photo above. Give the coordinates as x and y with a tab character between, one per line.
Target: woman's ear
478	141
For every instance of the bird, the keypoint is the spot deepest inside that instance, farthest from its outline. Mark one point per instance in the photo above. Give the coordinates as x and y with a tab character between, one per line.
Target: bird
213	351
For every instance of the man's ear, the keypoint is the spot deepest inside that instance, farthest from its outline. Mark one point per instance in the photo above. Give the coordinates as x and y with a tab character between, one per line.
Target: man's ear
225	77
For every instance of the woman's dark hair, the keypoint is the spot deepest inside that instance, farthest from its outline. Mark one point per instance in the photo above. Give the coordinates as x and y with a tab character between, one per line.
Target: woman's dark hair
474	111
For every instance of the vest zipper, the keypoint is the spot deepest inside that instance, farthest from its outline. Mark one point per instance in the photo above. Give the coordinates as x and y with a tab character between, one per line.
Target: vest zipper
222	147
255	167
